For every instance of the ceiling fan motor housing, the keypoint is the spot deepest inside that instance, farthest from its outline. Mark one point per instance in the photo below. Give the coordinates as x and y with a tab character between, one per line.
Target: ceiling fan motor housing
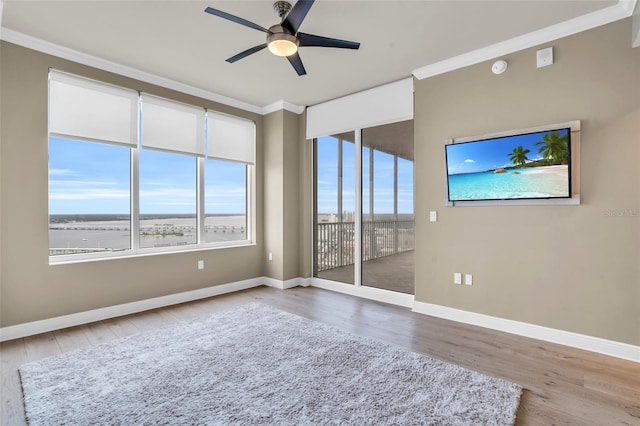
282	8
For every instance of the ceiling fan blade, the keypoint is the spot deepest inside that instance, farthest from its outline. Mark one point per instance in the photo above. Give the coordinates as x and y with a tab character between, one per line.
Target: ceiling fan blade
296	15
296	62
246	53
319	41
235	19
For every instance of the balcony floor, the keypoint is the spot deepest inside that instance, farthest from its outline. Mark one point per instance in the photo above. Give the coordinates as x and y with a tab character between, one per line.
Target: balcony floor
395	273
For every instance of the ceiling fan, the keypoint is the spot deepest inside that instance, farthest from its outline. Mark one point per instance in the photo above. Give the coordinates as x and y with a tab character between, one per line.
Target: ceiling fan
283	39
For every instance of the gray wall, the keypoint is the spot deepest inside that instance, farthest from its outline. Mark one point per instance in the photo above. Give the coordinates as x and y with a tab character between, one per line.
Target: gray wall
282	145
574	268
274	202
31	288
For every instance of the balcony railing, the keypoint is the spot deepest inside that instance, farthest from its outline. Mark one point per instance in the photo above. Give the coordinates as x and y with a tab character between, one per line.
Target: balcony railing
336	241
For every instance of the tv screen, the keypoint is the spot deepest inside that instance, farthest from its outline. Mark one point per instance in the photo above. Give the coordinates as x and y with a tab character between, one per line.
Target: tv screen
520	166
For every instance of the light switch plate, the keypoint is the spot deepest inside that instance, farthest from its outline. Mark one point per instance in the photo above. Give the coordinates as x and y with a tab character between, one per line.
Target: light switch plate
468	279
457	278
433	216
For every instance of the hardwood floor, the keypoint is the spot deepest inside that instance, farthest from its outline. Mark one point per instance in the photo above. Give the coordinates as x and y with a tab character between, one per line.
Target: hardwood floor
394	273
563	386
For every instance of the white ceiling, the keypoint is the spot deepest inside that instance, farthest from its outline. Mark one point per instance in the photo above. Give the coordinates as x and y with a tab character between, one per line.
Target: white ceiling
178	41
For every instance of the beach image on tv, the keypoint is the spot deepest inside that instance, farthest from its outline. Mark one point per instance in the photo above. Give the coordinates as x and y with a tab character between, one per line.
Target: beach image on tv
526	166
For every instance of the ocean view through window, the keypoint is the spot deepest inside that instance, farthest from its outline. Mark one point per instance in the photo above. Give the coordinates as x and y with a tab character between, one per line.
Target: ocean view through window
225	201
89	197
130	173
167	200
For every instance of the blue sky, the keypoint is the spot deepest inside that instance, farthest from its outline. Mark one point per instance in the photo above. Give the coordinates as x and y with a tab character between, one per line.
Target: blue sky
383	179
86	178
490	154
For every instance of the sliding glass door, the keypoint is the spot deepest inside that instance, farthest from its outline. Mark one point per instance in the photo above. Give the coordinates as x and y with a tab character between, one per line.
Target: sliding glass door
387	207
364	222
335	204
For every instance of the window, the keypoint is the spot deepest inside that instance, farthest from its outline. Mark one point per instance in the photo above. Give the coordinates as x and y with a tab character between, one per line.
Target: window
230	155
172	140
167	200
132	173
225	201
89	197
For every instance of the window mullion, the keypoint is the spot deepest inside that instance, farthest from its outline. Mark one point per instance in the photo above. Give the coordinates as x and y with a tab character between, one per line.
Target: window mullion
249	197
135	199
200	200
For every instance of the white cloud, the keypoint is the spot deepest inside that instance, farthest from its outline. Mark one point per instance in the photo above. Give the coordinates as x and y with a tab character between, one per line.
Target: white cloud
61	172
220	204
224	191
90	194
176	203
171	193
469	160
88	184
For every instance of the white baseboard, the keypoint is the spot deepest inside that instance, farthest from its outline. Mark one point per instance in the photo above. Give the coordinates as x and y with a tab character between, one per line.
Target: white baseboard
567	338
57	323
372	293
71	320
283	285
590	343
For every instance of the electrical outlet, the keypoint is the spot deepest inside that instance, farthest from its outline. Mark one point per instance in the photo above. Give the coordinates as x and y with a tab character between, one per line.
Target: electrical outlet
270	256
468	279
200	264
457	278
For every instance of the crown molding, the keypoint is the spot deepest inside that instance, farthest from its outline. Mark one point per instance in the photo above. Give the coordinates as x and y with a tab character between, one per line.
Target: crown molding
628	5
47	47
621	10
284	105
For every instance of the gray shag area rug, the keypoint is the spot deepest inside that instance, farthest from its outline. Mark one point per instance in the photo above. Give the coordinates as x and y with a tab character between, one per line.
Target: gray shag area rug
256	365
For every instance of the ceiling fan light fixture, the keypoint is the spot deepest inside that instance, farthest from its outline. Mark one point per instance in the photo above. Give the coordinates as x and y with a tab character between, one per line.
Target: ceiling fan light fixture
283	39
282	44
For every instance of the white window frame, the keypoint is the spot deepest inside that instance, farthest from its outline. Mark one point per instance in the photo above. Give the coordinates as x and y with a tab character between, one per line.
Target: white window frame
135	250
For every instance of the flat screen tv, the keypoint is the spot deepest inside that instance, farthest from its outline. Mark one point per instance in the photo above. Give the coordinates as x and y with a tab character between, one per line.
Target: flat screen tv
521	165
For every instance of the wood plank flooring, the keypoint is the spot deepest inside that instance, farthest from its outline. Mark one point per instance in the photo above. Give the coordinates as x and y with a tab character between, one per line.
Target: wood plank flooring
563	386
394	273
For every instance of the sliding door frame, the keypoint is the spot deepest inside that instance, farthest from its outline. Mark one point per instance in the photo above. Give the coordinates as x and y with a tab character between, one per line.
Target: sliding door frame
355	289
357	217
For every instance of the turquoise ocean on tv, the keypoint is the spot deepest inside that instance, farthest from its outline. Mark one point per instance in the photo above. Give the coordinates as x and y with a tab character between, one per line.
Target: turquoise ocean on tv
527	182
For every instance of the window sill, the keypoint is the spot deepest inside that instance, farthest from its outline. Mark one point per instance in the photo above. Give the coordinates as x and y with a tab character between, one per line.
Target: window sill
145	252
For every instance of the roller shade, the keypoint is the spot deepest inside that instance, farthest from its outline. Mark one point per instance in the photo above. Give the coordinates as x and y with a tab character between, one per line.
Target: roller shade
86	109
230	138
172	126
386	104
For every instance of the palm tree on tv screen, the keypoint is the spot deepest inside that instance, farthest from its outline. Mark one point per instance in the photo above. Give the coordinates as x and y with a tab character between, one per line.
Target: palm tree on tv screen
519	156
554	148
